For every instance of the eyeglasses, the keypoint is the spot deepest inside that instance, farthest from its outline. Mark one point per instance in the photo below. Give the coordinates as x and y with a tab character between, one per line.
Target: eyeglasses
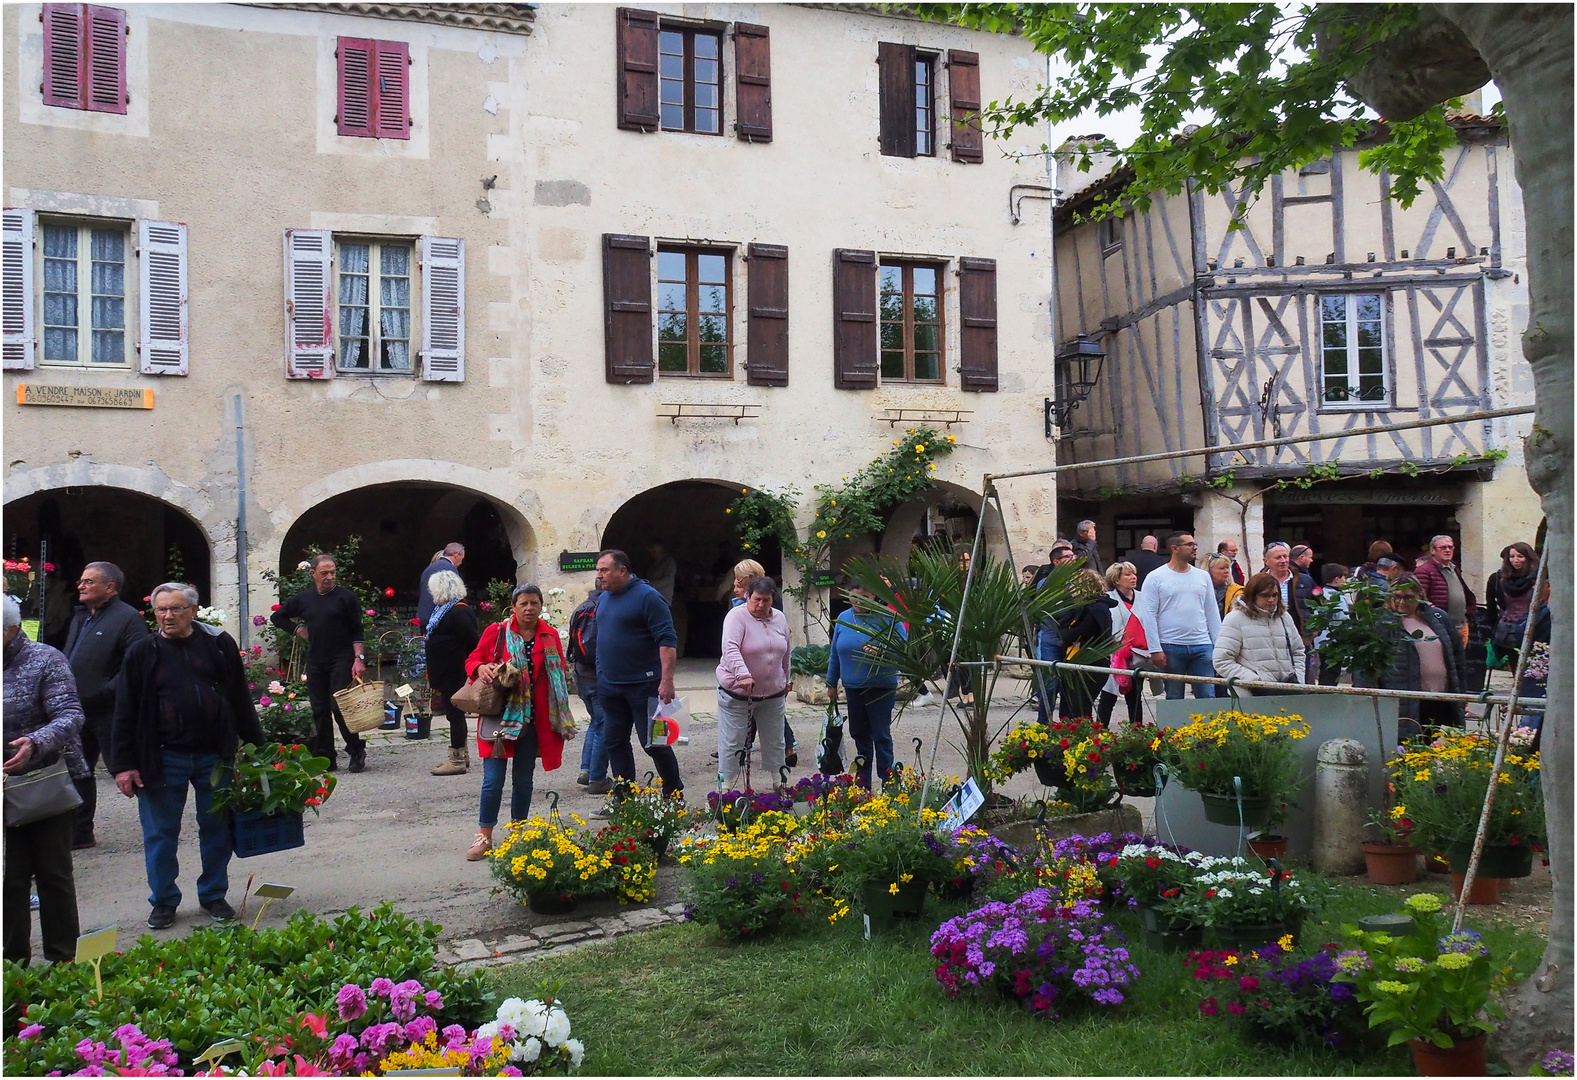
90	581
171	610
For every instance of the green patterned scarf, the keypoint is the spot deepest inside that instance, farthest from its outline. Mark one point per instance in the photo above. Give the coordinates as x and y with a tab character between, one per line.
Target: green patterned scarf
518	709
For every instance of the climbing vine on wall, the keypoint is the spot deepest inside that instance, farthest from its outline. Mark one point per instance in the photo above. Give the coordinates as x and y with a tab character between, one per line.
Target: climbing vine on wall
856	505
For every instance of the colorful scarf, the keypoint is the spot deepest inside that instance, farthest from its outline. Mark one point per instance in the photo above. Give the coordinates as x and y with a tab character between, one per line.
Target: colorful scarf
521	703
438	614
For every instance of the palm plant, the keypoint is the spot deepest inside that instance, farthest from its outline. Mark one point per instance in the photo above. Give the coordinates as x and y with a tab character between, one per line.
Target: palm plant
927	593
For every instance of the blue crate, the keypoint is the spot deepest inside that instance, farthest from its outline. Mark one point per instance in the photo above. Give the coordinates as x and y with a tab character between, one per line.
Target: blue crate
256	834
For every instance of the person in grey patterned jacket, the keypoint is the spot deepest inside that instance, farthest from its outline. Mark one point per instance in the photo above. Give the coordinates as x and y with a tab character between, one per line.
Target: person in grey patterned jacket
42	721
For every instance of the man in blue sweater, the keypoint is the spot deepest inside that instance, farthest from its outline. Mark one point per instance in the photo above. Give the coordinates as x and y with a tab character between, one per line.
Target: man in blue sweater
636	651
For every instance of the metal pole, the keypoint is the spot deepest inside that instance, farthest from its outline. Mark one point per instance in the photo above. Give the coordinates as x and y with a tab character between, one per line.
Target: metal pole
43	581
1500	744
1529	705
1290	440
240	523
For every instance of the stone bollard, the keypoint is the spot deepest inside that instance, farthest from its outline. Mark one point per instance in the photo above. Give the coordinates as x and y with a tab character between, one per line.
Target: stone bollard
1341	806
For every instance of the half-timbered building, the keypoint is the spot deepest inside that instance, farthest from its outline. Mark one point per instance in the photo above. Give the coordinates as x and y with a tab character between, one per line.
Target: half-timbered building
1331	308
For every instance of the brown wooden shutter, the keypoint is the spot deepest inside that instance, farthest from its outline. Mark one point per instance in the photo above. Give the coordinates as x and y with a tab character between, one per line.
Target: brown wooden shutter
963	87
854	319
638	107
627	290
753	82
766	339
896	63
977	309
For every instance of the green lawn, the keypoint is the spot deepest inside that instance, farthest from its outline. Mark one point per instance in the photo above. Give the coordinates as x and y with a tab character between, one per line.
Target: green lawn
825	1001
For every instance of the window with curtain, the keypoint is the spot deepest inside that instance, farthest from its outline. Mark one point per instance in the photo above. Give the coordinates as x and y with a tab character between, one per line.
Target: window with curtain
374	306
84	295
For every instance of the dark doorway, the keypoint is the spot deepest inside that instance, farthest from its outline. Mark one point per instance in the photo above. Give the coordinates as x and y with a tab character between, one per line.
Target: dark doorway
401	526
690	518
150	540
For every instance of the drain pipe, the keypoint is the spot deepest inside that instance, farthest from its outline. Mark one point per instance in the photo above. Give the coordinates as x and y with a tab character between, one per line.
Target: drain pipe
240	523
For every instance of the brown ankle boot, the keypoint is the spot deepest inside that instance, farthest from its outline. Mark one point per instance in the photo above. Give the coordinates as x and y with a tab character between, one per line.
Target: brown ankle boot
458	762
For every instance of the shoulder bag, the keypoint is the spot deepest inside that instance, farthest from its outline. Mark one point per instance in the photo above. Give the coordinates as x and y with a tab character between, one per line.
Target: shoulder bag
486	700
42	793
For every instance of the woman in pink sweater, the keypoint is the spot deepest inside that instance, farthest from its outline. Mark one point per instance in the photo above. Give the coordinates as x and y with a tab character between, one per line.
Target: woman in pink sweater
752	685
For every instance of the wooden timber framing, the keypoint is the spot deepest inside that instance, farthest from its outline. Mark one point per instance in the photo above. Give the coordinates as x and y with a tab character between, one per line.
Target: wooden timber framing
1213	335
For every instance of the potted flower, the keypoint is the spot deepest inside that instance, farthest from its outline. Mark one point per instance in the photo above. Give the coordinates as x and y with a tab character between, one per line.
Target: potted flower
1134	751
1029	745
632	876
549	866
1391	860
970	856
744	882
1283	997
1245	906
736	809
882	855
1216	752
647	813
1268	842
1442	787
1088	786
1151	875
267	790
1430	987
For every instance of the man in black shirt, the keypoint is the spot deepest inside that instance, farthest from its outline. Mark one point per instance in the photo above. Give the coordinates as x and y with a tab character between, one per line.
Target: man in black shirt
182	707
331	625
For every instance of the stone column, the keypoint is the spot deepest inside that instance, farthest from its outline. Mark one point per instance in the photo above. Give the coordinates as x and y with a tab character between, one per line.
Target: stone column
1492	515
1341	806
1220	518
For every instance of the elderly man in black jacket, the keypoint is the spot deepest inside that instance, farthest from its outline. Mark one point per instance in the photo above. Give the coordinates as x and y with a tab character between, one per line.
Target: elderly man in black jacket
101	631
181	708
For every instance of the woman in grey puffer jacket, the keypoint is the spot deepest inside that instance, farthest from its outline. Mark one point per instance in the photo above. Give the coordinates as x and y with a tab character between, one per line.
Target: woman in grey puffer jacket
42	721
1258	639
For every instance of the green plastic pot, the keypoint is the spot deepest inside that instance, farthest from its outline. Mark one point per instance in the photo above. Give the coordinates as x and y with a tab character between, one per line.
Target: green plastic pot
1496	860
1223	809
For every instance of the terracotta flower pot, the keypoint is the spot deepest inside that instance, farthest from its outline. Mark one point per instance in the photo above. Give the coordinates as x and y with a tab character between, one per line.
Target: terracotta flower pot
1269	847
1485	890
1391	864
1466	1058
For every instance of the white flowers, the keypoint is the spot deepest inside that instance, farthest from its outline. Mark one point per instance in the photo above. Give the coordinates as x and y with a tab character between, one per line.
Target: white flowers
211	615
303	565
539	1035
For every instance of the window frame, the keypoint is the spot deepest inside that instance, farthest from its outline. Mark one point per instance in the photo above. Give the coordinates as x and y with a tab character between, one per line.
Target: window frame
688	33
908	266
1109	235
927	133
374	305
692	289
130	296
1352	353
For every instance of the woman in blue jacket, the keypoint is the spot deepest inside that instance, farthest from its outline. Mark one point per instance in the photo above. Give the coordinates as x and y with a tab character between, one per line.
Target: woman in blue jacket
872	687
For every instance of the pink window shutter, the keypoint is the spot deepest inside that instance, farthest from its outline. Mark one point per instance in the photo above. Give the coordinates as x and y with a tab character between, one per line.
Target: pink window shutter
105	82
392	91
355	61
63	34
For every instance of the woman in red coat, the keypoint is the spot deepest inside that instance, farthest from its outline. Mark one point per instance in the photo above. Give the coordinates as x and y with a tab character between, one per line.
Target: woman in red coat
536	718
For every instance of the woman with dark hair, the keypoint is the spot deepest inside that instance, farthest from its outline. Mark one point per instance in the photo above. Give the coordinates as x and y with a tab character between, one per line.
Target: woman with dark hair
451	635
536	718
1086	624
1509	597
1258	639
1371	570
1428	657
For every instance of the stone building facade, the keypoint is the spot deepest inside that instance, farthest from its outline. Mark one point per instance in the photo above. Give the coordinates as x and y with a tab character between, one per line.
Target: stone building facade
539	279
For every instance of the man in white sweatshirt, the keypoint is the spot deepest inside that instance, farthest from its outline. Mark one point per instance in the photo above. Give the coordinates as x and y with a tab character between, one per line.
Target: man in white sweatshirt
1177	608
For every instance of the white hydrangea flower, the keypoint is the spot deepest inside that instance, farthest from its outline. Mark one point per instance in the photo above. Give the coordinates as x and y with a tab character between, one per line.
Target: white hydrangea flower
527	1051
577	1052
488	1030
515	1013
556	1027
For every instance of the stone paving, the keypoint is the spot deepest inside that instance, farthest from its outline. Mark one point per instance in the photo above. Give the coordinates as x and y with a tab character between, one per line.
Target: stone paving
469	954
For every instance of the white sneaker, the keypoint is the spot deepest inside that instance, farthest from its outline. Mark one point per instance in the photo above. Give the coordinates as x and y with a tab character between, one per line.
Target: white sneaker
926	700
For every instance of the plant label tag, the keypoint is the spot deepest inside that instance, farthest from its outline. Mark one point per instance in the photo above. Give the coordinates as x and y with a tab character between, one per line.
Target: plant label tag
220	1050
962	806
403	692
274	892
867	928
91	947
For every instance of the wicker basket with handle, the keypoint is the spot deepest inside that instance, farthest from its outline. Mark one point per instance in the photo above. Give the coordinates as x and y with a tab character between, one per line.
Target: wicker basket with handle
361	705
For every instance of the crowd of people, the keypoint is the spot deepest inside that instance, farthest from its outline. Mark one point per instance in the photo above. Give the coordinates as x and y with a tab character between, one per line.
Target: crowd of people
1165	609
164	708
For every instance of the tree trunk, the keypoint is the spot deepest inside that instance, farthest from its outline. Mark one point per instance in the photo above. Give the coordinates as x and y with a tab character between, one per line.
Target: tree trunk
1528	48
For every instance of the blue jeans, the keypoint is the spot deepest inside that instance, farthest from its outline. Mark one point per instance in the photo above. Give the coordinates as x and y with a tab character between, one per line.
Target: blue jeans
1189	660
624	711
493	769
161	807
593	753
1046	648
871	725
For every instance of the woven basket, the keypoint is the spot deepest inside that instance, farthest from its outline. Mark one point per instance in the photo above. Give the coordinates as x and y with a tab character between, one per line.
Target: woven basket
361	705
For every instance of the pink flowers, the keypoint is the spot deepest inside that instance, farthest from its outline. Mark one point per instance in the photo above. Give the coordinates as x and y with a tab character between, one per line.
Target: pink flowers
32	1031
259	620
352	1002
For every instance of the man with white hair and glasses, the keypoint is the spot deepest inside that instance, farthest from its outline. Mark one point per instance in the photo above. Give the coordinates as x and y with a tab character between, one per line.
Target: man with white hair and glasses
181	707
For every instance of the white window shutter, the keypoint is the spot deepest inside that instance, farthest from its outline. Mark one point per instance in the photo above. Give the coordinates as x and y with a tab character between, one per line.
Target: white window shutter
443	309
309	304
21	344
162	342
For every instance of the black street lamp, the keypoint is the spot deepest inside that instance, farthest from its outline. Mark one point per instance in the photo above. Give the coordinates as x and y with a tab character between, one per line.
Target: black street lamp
1079	365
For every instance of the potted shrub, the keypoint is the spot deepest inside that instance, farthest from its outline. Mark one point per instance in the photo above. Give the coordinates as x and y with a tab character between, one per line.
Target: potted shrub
649	814
1134	752
267	790
550	867
1391	860
1441	787
632	877
1216	750
1245	906
1152	875
1088	787
1430	987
